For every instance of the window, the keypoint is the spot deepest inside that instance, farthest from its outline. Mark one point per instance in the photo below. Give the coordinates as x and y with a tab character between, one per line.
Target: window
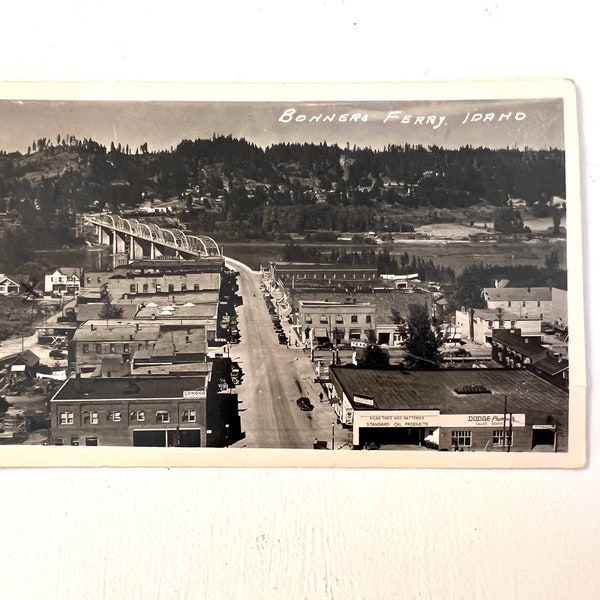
163	416
74	441
93	418
112	348
539	303
85	348
126	348
188	416
183	287
158	288
308	319
58	441
138	415
132	288
509	304
461	439
114	416
145	288
88	280
98	348
354	319
354	334
171	287
323	319
91	441
67	418
368	318
498	437
339	319
196	287
524	303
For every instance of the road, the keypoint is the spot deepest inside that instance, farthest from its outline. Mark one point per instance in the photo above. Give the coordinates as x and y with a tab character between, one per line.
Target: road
274	377
17	344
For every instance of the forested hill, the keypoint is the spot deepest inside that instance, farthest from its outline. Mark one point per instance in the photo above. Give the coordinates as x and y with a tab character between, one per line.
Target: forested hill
67	176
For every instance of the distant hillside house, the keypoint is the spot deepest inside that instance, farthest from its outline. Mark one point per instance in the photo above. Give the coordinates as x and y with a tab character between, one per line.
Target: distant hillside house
8	286
63	281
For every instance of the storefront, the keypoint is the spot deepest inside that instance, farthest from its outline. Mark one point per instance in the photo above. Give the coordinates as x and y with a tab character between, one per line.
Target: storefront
450	409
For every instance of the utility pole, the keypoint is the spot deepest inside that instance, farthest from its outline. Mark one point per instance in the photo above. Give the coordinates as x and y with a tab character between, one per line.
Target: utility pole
510	433
332	435
504	426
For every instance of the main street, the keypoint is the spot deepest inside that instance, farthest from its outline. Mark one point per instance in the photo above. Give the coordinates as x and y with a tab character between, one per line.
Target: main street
275	376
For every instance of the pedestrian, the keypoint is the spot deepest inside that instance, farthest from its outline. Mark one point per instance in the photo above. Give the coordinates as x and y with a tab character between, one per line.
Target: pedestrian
320	397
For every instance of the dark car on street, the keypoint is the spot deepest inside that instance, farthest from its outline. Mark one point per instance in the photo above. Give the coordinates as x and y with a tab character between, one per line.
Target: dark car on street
304	403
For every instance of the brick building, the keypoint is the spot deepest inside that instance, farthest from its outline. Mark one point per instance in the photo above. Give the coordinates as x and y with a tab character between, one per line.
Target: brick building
156	411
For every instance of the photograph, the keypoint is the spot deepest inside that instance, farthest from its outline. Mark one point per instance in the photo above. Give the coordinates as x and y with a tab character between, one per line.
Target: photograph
289	275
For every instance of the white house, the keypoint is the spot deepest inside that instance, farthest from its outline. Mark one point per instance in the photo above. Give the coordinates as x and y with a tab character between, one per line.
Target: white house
485	320
8	285
65	280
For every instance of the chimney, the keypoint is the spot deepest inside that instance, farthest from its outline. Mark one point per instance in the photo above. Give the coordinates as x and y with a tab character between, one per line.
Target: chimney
92	326
131	336
187	339
137	327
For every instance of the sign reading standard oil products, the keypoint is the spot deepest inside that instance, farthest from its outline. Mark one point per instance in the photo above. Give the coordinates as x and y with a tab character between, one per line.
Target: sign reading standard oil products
434	419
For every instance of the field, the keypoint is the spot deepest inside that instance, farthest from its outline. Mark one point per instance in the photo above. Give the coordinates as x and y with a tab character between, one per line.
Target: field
448	253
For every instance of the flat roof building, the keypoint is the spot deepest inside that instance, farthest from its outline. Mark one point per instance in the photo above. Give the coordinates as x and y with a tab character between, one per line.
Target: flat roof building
451	409
151	411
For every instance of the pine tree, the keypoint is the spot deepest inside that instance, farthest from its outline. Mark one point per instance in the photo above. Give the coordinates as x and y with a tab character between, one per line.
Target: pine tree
422	345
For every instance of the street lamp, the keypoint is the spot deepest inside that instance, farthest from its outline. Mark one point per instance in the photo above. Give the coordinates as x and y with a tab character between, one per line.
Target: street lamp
227	435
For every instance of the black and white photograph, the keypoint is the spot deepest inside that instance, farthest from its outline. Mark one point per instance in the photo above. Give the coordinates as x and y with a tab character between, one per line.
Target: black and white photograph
291	275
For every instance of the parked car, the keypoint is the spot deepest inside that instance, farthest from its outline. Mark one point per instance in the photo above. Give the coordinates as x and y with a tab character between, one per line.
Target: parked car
460	352
58	354
304	403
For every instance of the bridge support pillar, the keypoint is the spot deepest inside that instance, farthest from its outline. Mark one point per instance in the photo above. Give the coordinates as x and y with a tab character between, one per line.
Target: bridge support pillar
155	251
118	243
104	236
135	249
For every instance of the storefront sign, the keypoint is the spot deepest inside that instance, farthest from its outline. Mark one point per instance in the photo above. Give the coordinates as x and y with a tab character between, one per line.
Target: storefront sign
194	394
543	427
368	400
434	419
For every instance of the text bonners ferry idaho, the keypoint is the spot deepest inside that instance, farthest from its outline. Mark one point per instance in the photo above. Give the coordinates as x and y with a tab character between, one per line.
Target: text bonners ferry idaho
292	115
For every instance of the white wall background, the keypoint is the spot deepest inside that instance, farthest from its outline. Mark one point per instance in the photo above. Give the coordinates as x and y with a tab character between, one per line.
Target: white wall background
296	534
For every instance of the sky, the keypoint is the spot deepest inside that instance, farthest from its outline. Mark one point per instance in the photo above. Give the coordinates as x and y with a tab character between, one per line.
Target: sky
535	123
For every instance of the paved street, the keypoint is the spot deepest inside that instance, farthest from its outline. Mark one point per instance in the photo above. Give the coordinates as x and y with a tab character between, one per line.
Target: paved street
274	377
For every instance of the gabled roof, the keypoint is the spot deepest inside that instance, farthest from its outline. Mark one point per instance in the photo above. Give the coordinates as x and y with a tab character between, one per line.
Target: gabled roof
28	358
4	277
68	271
